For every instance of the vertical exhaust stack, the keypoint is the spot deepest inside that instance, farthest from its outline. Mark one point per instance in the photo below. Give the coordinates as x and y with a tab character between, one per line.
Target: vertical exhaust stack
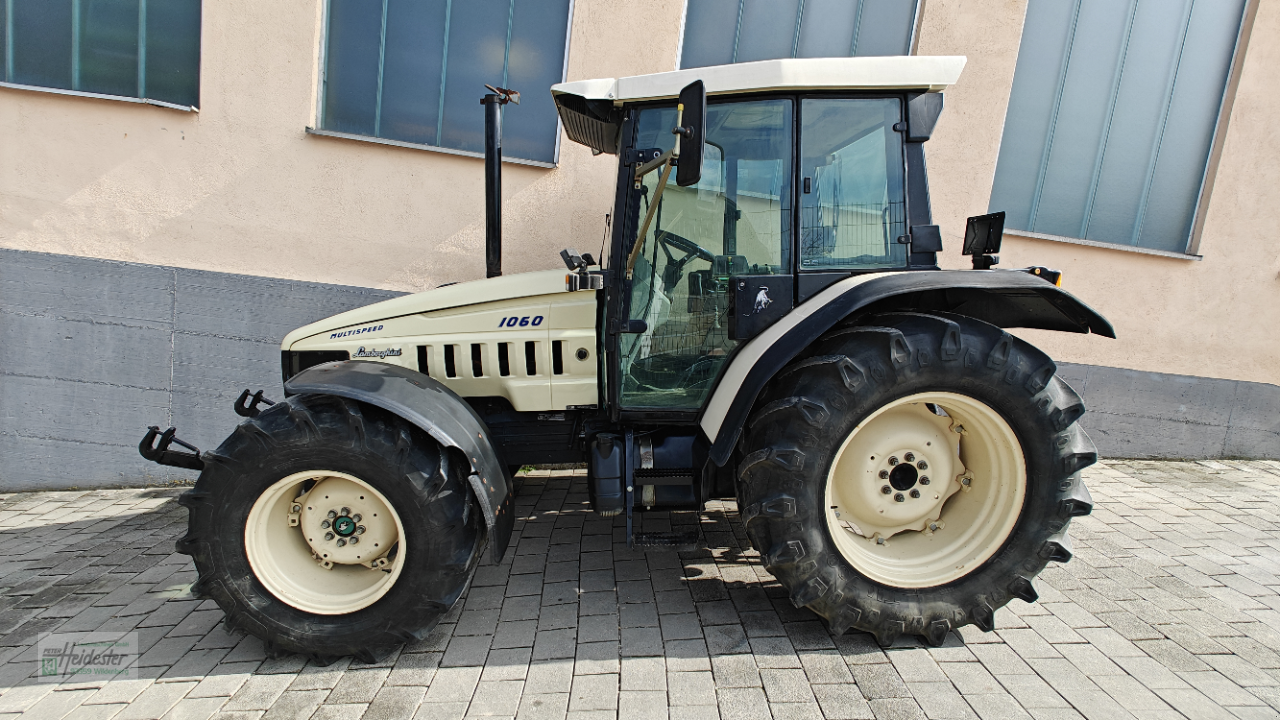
493	103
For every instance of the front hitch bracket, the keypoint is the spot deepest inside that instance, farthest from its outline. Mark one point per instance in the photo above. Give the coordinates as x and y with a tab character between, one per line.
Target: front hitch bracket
159	452
247	405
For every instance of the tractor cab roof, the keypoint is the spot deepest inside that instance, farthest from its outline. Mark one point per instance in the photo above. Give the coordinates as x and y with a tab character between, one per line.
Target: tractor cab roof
591	109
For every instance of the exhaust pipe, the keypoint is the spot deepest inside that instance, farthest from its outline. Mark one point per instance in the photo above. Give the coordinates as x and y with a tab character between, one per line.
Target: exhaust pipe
493	103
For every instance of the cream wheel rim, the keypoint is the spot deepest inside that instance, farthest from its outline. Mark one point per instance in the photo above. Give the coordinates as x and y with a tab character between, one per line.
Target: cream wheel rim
925	490
325	542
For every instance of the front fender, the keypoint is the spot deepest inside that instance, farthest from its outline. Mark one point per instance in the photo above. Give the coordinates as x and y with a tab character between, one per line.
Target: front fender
1004	298
436	409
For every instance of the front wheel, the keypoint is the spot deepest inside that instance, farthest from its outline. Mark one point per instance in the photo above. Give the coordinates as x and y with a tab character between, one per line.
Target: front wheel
328	528
913	474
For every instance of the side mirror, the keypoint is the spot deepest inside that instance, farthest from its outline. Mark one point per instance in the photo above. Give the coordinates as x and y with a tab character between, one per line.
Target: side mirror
692	132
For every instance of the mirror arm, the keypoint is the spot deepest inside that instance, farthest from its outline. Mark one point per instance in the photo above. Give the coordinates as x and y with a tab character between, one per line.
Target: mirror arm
648	218
667	160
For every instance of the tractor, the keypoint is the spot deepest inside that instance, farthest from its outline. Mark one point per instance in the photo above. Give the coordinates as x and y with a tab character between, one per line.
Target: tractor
770	326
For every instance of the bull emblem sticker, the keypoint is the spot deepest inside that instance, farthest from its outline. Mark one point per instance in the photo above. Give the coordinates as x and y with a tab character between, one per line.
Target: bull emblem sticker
762	301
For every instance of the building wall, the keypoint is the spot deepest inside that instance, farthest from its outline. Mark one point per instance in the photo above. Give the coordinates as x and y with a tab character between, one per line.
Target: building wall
150	259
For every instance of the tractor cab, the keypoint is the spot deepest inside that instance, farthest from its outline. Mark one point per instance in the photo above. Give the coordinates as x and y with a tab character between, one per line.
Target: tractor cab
791	175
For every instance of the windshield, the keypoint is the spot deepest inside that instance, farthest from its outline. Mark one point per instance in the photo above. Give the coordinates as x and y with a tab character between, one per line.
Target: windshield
735	221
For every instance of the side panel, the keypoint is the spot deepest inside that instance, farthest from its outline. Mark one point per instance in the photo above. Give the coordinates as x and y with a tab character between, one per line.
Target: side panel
1001	297
434	408
501	349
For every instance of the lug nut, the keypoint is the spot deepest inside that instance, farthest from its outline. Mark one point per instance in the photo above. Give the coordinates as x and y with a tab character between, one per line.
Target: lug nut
324	524
922	465
345	511
360	530
899	498
332	515
886	489
893	461
353	540
909	457
915	493
341	542
965	480
328	536
924	479
356	517
296	508
933	526
884	474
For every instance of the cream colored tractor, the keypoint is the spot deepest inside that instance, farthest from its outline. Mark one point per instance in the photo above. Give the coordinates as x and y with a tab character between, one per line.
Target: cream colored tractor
770	325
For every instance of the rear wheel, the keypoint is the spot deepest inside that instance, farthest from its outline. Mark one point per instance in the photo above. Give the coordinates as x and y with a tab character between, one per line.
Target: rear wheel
914	474
330	528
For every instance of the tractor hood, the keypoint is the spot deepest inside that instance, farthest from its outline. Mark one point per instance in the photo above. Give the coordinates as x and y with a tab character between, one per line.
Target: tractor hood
507	287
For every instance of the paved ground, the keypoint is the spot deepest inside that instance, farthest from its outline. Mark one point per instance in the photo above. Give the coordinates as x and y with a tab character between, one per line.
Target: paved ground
1169	610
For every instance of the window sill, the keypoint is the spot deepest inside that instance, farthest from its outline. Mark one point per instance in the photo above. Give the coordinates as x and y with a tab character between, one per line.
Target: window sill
100	96
418	146
1103	245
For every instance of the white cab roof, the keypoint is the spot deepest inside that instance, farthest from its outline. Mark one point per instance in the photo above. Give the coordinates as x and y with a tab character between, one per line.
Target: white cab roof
930	73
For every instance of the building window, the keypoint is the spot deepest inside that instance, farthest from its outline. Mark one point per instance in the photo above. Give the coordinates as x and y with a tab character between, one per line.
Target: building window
148	49
1112	117
719	32
414	71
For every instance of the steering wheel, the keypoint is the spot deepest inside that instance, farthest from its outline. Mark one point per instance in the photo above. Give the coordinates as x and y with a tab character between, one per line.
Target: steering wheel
674	269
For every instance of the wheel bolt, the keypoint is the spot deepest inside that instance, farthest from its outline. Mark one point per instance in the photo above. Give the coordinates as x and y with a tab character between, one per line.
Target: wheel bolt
296	508
341	542
356	517
966	481
909	457
324	524
899	498
360	530
924	479
915	493
345	511
353	540
332	515
884	474
886	489
893	461
328	536
922	465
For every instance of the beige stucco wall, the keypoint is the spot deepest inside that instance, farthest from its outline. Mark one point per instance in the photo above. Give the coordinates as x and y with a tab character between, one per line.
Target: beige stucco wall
240	187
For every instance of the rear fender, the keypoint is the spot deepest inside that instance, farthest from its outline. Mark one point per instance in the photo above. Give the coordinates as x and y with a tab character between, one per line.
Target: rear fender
1004	298
437	410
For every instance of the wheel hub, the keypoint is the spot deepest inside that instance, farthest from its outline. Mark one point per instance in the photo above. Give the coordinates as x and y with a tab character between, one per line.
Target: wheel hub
896	472
925	489
332	549
345	524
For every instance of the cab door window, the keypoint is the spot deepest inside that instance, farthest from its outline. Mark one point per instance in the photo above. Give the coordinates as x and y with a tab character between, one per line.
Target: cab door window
735	221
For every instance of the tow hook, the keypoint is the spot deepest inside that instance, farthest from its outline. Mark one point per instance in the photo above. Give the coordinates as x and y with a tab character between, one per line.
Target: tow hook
250	410
159	452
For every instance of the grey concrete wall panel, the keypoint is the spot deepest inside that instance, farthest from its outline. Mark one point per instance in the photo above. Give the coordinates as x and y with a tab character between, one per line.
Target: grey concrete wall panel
93	351
1139	414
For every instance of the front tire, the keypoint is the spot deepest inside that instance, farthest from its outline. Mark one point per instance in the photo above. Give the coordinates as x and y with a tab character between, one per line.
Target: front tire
913	474
329	528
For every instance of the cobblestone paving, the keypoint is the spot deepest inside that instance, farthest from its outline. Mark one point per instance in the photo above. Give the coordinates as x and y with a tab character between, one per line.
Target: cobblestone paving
1169	610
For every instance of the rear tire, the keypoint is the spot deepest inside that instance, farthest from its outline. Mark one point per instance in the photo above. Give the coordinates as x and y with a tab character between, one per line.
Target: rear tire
835	428
401	493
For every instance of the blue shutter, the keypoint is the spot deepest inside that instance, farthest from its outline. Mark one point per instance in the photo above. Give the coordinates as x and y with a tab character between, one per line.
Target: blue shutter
414	71
129	48
1111	117
719	32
